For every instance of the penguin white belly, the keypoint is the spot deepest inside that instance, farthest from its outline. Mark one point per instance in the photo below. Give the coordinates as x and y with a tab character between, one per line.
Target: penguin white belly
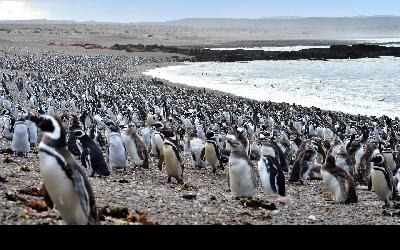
265	179
61	191
380	185
117	154
241	183
20	142
211	155
159	143
172	164
332	183
359	154
390	161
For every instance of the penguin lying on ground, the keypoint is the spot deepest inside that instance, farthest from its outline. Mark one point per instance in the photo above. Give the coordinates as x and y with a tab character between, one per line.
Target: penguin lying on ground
64	181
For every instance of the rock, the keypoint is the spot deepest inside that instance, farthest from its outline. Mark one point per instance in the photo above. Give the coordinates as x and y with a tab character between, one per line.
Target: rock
312	217
3	180
39	206
117	212
14	197
257	203
32	192
189	196
123	181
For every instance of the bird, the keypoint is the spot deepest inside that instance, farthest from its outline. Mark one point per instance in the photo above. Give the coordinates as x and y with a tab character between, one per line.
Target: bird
272	176
137	150
211	152
172	157
20	141
64	180
382	179
91	156
339	182
117	154
242	178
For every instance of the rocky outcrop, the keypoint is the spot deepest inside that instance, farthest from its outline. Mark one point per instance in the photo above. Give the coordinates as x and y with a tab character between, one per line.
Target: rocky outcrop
205	55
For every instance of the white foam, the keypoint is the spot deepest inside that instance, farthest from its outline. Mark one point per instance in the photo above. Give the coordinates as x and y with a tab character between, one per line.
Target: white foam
364	86
283	48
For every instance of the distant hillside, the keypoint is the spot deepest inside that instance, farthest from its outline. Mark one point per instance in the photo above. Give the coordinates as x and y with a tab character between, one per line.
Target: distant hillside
361	22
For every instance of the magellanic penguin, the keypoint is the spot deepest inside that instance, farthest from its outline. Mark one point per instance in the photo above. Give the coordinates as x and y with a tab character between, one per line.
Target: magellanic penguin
64	181
339	182
211	152
303	165
382	179
172	157
116	153
242	178
91	156
20	143
272	176
137	150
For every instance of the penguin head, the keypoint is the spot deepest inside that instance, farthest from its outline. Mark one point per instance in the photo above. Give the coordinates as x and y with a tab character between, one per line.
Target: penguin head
378	159
330	162
210	135
235	144
51	126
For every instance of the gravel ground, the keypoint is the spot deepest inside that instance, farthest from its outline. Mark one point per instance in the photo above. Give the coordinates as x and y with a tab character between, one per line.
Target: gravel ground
204	199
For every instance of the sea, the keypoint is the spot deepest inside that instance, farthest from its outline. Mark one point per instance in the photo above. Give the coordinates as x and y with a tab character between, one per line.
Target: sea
369	86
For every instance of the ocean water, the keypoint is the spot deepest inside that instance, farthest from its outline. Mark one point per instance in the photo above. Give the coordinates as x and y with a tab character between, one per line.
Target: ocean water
363	86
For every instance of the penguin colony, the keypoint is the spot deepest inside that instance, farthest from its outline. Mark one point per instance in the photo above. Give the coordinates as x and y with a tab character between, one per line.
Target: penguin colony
94	121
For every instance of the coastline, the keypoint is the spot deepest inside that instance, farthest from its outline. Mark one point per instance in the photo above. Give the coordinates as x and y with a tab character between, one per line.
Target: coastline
237	97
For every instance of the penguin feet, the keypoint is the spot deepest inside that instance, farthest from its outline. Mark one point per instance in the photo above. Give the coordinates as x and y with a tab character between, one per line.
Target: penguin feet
214	171
387	205
169	179
180	181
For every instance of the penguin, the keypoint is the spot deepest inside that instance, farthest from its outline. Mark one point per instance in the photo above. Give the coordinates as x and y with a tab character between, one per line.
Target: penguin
91	156
339	182
73	143
211	152
116	154
20	143
382	179
172	157
33	133
65	182
158	140
303	165
272	176
137	150
242	178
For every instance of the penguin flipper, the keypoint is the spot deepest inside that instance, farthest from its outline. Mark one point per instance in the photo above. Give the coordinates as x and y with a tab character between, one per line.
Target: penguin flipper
203	154
86	195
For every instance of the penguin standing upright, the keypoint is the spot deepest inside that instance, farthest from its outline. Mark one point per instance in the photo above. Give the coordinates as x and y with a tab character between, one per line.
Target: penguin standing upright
64	181
303	165
172	157
116	153
339	182
20	143
211	152
242	178
137	150
91	156
382	179
272	176
33	133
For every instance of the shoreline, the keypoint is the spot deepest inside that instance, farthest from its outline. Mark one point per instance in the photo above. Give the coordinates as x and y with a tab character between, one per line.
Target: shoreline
225	94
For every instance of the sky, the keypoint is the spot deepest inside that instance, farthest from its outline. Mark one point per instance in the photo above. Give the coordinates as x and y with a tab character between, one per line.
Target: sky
166	10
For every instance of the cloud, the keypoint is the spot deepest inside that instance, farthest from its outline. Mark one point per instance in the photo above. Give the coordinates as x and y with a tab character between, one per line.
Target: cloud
19	10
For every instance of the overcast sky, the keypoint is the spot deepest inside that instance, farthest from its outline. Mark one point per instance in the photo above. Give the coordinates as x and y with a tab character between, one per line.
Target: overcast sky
164	10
